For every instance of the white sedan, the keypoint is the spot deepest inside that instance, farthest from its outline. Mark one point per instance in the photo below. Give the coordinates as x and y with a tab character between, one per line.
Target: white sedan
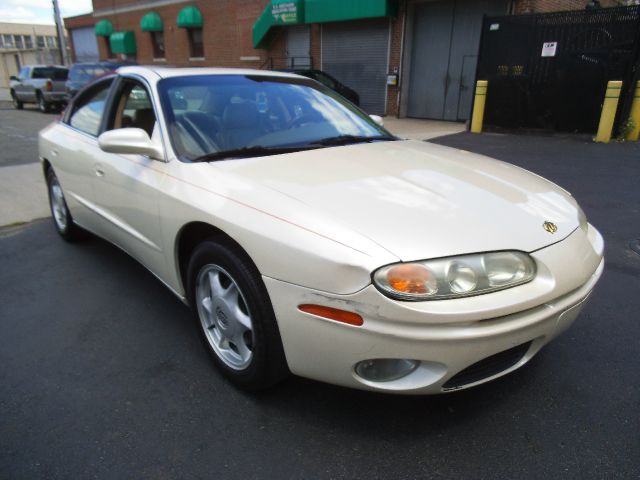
307	239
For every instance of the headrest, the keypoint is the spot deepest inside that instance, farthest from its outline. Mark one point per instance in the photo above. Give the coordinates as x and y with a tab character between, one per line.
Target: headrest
240	115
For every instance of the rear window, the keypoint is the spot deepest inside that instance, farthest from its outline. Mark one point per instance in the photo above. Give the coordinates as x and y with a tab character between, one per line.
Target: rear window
53	73
86	73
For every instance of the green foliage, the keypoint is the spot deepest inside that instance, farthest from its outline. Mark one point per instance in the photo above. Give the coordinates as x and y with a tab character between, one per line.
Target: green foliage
625	129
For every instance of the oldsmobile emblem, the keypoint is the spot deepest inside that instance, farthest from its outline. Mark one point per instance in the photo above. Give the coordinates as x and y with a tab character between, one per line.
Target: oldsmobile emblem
550	227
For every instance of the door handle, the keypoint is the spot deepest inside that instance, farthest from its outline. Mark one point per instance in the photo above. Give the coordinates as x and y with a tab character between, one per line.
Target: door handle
54	153
99	172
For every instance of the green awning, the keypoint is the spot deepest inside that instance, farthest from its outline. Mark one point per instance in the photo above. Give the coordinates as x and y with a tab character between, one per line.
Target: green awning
293	12
104	28
151	22
319	11
190	17
123	42
277	13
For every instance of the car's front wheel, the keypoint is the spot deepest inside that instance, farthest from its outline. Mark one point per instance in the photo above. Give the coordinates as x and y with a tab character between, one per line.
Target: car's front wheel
235	316
62	218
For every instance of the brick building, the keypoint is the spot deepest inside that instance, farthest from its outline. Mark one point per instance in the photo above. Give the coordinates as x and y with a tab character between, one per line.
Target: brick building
404	57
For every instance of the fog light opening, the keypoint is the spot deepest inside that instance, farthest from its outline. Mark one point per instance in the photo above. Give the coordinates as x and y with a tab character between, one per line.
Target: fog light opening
385	369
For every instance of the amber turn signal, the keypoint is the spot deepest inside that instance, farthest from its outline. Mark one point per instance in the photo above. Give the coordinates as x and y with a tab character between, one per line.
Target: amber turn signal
332	314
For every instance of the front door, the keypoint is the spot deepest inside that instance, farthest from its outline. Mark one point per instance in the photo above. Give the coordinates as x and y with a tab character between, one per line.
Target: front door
299	46
127	186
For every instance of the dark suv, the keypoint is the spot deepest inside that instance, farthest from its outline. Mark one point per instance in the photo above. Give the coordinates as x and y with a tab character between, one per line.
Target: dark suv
82	73
330	82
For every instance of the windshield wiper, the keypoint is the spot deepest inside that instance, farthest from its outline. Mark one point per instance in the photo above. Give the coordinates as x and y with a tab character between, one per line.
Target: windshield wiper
246	152
350	139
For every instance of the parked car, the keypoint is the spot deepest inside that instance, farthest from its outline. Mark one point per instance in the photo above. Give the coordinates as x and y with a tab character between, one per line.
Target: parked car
329	82
308	239
80	74
41	84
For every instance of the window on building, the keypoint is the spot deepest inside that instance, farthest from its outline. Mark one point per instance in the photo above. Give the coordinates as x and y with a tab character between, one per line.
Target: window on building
17	41
8	41
40	41
196	48
51	42
28	41
157	41
1	42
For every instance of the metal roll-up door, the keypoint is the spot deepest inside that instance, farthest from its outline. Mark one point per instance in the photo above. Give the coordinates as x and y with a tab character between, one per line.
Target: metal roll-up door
85	44
357	54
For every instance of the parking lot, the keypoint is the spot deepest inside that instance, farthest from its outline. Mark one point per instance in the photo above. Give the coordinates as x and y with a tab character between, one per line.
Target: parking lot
103	375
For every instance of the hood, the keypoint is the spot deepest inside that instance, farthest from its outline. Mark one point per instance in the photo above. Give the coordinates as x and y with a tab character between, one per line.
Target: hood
419	200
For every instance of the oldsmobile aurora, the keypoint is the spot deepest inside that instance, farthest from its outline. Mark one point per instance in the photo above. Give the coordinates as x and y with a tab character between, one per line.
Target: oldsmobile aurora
307	239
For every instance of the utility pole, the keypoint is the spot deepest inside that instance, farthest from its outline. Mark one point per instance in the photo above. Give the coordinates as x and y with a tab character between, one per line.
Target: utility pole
62	42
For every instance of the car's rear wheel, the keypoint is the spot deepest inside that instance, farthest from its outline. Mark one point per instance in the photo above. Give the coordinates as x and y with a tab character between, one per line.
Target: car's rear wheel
17	104
62	218
43	105
235	316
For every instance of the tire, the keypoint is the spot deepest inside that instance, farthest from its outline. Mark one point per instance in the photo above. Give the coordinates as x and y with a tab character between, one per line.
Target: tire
62	219
235	317
17	104
43	105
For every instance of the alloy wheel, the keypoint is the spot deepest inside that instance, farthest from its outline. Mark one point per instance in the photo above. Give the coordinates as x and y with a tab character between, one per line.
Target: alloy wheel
58	205
224	316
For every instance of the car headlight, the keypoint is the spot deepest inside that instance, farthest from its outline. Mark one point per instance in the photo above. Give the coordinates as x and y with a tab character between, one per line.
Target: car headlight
582	218
454	277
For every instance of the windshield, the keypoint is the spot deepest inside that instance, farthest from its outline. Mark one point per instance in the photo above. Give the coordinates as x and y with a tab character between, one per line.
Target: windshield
86	73
208	115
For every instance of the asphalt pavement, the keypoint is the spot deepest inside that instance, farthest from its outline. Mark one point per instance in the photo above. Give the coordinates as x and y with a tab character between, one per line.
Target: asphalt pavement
23	194
103	375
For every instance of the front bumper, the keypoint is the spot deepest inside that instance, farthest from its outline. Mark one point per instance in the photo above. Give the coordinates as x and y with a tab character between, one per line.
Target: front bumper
446	336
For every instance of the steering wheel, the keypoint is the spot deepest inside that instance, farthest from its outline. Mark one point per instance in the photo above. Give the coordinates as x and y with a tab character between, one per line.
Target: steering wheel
304	118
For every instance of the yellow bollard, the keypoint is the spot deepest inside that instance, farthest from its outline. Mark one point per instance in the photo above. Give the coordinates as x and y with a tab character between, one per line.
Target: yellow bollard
609	108
634	116
477	118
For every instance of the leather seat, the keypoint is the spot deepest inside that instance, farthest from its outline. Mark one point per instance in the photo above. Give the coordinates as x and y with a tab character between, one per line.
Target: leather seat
240	125
144	119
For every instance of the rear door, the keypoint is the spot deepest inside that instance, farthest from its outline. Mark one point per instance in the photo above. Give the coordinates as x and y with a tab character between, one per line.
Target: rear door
74	153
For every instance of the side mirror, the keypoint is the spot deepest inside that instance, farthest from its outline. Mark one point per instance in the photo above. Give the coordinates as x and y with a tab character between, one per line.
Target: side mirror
13	78
377	119
130	141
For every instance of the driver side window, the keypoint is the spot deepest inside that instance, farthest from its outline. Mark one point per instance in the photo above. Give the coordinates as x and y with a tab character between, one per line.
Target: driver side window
134	109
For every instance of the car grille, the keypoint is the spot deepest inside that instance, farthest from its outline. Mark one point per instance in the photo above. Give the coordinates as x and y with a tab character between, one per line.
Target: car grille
487	367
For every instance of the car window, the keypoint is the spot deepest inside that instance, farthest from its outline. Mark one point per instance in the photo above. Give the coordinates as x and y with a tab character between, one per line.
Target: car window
52	73
86	73
134	109
24	73
325	80
88	110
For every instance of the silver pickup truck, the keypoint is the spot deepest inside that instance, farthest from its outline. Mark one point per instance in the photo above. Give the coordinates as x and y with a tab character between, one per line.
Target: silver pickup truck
41	84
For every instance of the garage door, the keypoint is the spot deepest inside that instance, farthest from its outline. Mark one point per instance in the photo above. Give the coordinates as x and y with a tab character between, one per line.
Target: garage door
85	44
446	36
357	53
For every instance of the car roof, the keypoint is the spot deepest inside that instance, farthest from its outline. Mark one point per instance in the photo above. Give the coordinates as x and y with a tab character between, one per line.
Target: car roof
46	66
153	73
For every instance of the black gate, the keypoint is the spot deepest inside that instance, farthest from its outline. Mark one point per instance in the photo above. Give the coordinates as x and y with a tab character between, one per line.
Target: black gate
550	71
